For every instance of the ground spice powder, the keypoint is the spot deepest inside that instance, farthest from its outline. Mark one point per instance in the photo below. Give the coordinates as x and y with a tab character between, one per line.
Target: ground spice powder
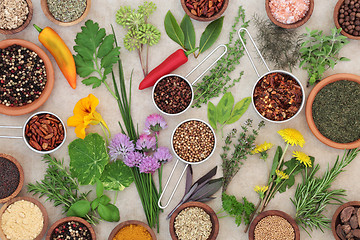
133	232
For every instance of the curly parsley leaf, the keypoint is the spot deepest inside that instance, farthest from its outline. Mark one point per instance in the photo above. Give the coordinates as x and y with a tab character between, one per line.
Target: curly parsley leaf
241	211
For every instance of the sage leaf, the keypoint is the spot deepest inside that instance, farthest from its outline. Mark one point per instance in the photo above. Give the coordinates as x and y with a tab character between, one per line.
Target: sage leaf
211	33
106	46
189	32
109	212
173	29
79	209
94	81
189	177
207	190
212	115
239	109
224	108
99	188
116	176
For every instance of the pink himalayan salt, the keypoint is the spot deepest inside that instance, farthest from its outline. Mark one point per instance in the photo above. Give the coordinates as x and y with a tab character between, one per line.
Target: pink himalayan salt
289	11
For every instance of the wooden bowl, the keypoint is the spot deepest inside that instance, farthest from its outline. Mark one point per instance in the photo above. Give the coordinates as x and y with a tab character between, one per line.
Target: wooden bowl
273	213
205	19
214	219
309	115
15	111
336	21
68	219
292	25
34	201
131	222
21	179
336	217
48	14
24	25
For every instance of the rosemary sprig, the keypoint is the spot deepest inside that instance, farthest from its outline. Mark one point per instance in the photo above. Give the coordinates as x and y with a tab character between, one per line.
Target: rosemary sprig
313	194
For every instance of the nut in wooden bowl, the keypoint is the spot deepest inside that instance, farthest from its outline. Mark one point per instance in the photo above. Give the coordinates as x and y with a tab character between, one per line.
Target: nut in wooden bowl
130	225
68	226
204	10
345	221
18	18
349	22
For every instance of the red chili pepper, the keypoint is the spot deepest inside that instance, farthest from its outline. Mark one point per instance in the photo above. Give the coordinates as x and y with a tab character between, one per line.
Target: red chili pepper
171	63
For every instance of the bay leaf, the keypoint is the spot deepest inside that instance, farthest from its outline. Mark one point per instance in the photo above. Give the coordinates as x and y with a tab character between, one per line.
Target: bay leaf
210	34
239	109
173	29
189	32
224	108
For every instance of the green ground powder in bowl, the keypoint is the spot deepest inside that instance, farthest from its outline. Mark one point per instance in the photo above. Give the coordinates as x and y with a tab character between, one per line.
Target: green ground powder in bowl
336	111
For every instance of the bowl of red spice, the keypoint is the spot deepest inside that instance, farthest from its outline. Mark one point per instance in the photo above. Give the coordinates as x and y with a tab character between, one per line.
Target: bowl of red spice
347	17
15	15
345	221
71	228
132	229
332	111
289	13
11	177
204	10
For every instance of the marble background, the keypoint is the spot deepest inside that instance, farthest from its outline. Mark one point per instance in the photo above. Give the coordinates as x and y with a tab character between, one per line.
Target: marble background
254	171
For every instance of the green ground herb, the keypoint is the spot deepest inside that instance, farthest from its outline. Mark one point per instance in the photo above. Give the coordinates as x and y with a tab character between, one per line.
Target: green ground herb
66	10
336	111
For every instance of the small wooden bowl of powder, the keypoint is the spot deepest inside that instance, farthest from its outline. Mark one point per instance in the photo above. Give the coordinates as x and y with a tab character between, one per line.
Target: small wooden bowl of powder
289	13
132	229
15	15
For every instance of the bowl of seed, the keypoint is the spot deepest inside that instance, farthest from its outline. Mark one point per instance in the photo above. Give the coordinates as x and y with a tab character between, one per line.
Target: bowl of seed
347	17
345	221
204	10
274	224
132	229
27	77
15	15
66	12
194	220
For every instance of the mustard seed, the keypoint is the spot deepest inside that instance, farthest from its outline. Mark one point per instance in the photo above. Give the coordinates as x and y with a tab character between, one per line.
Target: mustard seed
274	228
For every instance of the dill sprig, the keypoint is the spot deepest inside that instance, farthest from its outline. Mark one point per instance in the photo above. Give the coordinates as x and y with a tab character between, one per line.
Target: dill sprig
313	194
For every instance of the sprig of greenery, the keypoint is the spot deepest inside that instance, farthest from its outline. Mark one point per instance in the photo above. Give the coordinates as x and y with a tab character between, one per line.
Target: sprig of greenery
313	194
240	211
320	52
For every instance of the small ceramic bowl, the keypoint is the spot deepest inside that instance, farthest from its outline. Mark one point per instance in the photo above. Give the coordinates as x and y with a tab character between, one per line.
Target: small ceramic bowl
44	7
309	114
292	25
214	219
205	19
24	25
336	217
21	179
34	201
15	111
273	213
128	223
68	219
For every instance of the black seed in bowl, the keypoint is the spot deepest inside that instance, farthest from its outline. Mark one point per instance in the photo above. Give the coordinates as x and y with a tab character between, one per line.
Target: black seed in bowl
9	177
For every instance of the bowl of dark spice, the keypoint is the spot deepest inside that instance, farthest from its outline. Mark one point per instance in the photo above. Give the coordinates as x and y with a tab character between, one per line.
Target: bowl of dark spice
345	221
194	220
204	10
66	12
27	77
274	224
289	13
347	17
11	177
15	15
71	228
132	229
23	218
333	113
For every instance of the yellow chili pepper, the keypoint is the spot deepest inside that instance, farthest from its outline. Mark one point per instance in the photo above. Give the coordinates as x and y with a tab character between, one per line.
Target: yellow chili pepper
58	49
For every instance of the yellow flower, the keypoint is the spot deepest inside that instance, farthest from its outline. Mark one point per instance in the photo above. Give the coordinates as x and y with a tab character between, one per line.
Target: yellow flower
261	191
85	114
302	158
262	148
292	136
281	174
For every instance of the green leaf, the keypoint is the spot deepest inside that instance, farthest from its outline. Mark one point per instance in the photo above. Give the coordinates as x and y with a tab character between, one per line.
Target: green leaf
88	158
99	188
116	176
96	82
239	109
84	52
95	203
211	33
79	209
111	58
109	212
212	115
189	32
83	67
224	108
173	29
276	160
90	36
106	46
104	199
344	59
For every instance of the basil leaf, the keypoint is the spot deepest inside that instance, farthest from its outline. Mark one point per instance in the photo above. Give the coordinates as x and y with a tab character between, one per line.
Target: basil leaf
79	209
104	199
95	203
96	82
189	32
88	158
211	33
224	108
239	109
106	46
212	115
99	188
173	29
116	176
109	212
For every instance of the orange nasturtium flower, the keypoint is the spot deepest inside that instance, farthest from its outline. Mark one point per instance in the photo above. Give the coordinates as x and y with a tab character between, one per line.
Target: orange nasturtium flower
85	114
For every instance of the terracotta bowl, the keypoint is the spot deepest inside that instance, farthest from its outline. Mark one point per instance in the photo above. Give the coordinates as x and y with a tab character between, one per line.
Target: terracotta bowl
214	219
68	219
204	19
24	25
273	213
309	115
34	201
131	222
336	217
48	14
15	111
21	180
292	25
336	21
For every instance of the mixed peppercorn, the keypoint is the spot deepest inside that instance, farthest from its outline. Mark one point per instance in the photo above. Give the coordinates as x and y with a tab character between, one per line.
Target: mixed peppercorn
71	230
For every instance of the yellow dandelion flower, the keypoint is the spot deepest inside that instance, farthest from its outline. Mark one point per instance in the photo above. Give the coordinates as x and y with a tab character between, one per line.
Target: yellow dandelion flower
261	190
292	136
281	174
302	158
262	147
